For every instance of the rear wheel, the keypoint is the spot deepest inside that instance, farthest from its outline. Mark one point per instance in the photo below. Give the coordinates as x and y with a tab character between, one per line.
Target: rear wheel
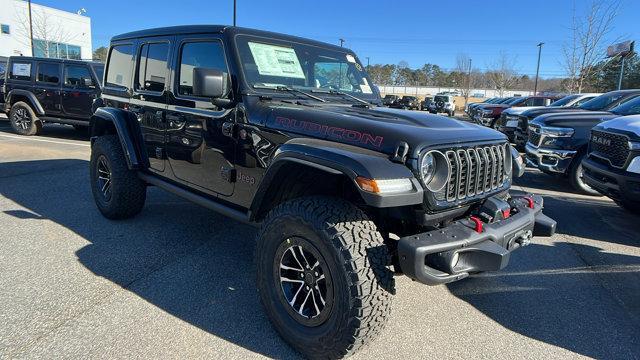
24	120
576	177
117	191
322	276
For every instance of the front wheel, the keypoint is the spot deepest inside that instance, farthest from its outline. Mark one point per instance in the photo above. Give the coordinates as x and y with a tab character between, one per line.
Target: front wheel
323	276
576	177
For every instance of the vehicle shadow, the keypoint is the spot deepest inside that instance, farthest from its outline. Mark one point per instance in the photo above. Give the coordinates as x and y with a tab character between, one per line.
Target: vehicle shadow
547	296
190	262
53	131
601	219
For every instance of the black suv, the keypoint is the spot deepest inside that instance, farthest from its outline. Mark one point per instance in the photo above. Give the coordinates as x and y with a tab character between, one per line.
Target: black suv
39	90
288	134
407	103
558	141
389	100
604	102
3	68
612	166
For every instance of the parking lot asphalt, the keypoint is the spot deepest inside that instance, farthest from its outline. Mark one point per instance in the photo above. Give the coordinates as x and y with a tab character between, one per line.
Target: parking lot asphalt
177	280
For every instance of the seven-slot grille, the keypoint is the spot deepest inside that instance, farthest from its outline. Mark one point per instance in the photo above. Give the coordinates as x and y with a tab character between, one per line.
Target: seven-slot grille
613	147
475	171
534	135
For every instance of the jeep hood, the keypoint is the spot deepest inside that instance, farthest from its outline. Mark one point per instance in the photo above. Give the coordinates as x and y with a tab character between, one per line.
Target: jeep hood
377	128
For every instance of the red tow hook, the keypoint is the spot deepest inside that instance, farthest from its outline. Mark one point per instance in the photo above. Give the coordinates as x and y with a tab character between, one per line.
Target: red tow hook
477	222
506	213
530	201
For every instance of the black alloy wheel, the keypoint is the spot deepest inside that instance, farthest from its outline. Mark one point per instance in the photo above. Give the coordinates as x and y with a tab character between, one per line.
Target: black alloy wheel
103	178
304	281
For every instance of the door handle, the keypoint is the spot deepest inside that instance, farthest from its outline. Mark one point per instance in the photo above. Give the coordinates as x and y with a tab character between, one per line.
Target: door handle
227	128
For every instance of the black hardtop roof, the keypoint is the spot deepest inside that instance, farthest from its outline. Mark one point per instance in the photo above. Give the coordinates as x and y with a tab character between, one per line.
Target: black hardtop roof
31	58
219	29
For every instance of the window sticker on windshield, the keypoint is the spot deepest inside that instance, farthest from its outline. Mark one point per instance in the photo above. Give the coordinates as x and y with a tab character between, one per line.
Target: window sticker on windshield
366	89
21	69
276	60
351	58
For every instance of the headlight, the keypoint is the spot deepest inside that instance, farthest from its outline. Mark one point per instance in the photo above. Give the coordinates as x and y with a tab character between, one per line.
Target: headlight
634	145
556	131
634	165
434	170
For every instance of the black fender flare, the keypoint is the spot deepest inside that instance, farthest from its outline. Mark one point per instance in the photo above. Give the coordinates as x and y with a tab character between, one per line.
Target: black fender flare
128	131
33	100
342	159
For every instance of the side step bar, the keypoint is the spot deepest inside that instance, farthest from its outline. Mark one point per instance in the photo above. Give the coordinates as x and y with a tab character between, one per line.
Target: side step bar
198	199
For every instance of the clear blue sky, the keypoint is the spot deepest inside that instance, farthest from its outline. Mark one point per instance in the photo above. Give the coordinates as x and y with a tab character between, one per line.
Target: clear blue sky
386	31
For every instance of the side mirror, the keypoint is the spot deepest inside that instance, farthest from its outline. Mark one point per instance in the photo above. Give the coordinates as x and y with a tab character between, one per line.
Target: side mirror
517	163
210	83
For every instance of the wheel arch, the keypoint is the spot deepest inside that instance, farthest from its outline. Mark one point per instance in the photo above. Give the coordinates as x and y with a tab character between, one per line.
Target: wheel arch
305	167
112	121
26	96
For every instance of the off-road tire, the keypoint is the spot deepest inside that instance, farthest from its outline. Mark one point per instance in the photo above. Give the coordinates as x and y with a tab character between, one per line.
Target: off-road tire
630	206
127	191
575	177
359	264
34	126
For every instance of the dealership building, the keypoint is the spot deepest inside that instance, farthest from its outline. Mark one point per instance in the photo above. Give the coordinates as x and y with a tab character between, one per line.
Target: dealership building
56	33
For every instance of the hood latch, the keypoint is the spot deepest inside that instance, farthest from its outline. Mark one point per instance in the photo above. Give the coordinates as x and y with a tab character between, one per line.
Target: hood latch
400	154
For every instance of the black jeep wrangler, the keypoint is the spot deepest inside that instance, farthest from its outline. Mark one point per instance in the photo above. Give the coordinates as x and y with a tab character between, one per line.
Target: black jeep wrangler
39	90
288	134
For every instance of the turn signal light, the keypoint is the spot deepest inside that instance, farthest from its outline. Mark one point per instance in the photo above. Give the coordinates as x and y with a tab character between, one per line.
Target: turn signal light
387	186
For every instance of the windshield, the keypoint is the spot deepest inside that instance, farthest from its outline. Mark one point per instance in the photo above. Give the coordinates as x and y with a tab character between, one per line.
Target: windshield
408	98
99	69
441	99
629	107
601	102
2	67
389	97
505	100
273	62
564	101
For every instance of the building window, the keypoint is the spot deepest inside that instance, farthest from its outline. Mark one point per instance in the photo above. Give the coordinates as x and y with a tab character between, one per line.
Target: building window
4	28
50	49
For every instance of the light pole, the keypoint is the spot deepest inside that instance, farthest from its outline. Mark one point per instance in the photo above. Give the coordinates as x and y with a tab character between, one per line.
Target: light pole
234	12
31	29
535	86
367	61
341	42
466	98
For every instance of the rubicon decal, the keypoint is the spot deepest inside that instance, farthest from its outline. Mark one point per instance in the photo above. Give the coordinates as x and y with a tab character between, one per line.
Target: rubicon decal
332	132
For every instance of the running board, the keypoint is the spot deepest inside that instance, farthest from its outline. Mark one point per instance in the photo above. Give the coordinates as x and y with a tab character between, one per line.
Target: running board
198	199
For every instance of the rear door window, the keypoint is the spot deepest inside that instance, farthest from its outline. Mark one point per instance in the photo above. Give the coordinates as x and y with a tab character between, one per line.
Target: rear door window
152	67
48	73
119	66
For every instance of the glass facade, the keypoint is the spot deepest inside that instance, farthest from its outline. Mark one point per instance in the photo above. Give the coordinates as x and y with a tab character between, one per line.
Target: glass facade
50	49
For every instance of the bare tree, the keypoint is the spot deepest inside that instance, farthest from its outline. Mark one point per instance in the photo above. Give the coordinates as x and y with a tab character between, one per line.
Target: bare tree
45	29
586	46
460	74
502	74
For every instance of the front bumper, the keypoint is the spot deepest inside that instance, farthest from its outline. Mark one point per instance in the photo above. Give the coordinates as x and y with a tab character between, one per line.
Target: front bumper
552	160
617	184
452	253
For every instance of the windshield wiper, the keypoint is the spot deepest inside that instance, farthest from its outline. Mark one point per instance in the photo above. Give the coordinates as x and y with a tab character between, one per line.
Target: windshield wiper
335	92
288	89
